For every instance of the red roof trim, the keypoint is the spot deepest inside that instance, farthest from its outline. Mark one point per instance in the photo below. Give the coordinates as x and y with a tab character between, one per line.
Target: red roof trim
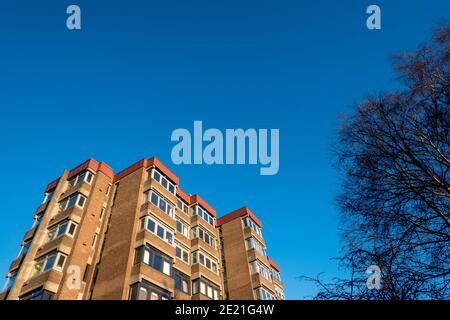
197	199
166	171
237	214
52	185
106	169
183	196
88	164
94	166
273	264
136	166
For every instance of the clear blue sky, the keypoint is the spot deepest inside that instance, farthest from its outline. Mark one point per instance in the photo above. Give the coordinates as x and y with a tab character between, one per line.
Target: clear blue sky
140	69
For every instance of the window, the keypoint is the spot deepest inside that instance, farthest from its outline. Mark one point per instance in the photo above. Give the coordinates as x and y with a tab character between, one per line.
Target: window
158	228
38	220
181	281
252	243
102	213
94	240
155	259
202	286
183	206
62	228
249	223
108	190
182	227
279	292
264	294
199	232
86	272
11	280
146	291
83	177
205	260
47	262
160	202
276	274
75	199
182	253
48	196
143	293
257	267
26	245
158	176
39	294
205	215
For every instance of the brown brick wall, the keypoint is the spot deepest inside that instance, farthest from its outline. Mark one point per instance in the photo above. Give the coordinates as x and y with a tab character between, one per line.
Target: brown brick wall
118	254
237	268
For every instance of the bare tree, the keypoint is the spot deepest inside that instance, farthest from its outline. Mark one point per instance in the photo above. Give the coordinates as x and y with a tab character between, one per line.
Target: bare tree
394	154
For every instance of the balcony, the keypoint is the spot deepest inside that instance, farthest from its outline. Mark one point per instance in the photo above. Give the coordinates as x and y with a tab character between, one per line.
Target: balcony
182	239
141	271
277	282
49	280
197	270
148	207
197	220
75	213
248	232
258	280
41	208
29	234
16	263
63	243
152	184
145	236
199	243
180	295
253	254
82	187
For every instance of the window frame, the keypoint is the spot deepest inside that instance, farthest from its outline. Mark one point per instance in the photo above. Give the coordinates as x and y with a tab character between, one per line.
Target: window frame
249	223
182	206
157	223
276	274
184	227
201	212
48	196
199	283
57	227
183	250
196	235
150	289
169	186
157	260
266	294
256	245
85	176
184	279
78	196
199	255
168	203
257	267
45	259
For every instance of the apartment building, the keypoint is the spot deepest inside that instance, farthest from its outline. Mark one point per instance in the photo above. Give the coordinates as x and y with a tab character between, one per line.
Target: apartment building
249	274
64	234
131	235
